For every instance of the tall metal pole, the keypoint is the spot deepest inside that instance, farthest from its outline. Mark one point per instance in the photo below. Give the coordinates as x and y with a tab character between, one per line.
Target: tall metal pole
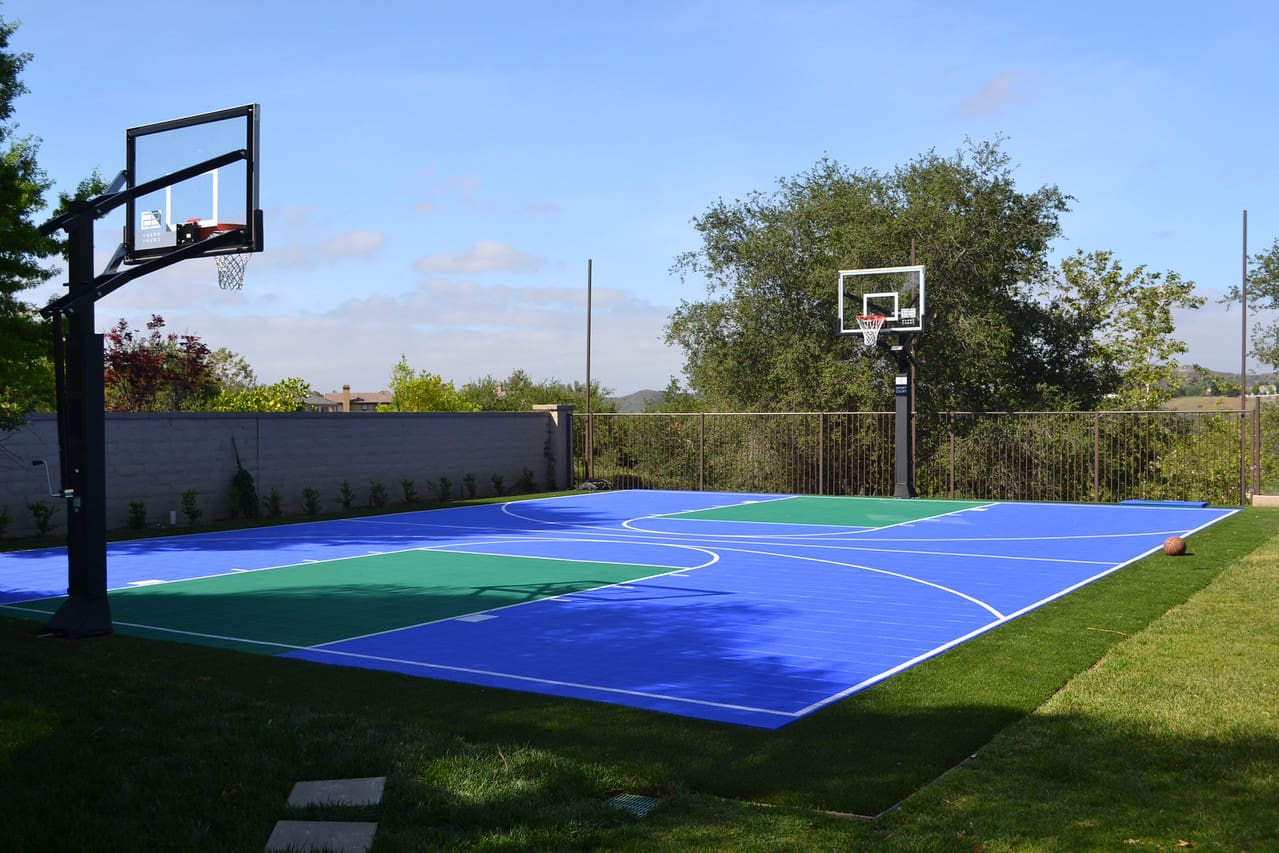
904	487
1243	372
82	440
590	429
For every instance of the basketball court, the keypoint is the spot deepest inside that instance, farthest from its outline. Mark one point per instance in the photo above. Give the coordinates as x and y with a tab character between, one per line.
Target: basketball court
738	608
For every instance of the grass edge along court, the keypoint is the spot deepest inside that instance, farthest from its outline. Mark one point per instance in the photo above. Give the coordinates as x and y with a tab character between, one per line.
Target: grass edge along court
208	739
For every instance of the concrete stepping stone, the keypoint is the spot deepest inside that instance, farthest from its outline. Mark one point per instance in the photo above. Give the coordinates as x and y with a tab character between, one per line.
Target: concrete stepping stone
327	835
338	792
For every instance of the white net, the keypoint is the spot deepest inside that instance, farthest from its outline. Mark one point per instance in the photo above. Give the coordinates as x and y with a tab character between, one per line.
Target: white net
231	270
870	325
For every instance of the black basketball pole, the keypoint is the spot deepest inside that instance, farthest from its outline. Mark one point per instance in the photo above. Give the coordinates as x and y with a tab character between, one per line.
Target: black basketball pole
904	391
81	404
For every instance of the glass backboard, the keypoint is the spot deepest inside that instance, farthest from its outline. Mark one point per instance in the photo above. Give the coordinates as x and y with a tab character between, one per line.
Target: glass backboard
192	209
895	293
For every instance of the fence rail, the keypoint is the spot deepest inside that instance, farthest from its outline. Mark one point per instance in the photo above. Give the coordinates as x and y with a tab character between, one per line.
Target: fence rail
1058	456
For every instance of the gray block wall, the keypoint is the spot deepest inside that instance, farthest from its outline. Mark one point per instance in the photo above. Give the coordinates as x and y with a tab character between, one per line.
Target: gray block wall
154	458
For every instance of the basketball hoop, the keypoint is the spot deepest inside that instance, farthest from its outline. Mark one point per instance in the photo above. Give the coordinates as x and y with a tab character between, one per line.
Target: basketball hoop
870	325
230	266
231	270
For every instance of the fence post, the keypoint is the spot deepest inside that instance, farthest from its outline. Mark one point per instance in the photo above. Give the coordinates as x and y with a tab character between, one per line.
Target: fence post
821	453
1096	457
1256	446
1243	442
950	489
701	452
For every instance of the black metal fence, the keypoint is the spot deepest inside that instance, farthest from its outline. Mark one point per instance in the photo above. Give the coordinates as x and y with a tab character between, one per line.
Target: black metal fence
1057	456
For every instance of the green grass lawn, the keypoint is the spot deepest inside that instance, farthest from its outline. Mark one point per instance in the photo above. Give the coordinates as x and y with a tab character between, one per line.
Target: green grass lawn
1138	711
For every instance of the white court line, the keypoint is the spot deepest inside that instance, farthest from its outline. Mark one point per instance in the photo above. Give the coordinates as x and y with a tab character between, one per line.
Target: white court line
595	688
630	525
983	605
567	595
453	546
506	508
980	555
1051	538
1002	620
850	530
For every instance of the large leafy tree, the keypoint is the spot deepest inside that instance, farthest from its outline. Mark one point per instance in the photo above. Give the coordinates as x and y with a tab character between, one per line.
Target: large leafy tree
1125	319
766	336
26	373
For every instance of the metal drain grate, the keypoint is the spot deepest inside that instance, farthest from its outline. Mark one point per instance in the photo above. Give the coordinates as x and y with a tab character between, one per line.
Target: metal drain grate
634	803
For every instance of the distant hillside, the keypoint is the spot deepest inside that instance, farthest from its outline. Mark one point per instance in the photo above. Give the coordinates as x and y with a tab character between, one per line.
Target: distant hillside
1188	370
636	402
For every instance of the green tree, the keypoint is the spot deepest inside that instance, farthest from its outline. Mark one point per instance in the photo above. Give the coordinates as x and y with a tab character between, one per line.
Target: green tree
231	371
423	391
26	373
518	393
287	395
1125	321
766	339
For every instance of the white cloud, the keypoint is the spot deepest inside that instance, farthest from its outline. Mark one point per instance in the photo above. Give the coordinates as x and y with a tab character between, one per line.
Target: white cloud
460	330
352	244
358	244
481	256
997	92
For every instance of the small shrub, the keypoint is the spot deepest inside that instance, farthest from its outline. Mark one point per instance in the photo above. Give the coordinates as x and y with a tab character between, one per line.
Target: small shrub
443	489
271	504
346	495
189	509
42	514
310	501
526	482
377	494
498	488
137	514
468	483
244	494
410	491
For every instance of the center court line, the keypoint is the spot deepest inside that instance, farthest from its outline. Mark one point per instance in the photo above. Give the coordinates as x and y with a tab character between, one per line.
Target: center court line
452	549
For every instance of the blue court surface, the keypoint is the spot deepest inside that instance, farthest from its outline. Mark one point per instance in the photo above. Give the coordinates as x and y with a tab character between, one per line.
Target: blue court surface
739	608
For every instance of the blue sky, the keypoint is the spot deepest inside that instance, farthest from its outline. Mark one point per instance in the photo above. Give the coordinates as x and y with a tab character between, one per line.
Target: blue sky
436	175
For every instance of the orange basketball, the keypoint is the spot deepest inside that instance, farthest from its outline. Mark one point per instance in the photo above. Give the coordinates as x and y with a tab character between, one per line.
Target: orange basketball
1174	546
